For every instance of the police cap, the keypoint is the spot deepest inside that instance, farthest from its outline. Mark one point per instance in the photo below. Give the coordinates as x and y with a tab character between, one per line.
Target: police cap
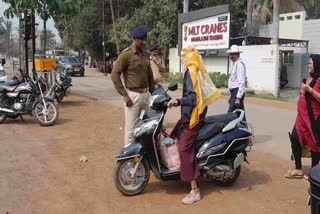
154	47
139	32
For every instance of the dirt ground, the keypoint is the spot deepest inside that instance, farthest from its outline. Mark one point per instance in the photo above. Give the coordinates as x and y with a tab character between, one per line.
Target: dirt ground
41	172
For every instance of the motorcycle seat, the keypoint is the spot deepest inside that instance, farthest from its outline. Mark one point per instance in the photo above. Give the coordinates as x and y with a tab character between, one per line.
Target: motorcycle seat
8	87
214	124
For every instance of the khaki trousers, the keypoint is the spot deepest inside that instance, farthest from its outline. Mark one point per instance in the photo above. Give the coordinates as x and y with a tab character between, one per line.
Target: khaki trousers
140	102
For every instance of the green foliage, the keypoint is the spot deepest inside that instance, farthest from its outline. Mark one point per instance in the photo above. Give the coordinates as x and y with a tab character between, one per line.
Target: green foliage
220	80
52	8
160	19
173	77
51	41
238	14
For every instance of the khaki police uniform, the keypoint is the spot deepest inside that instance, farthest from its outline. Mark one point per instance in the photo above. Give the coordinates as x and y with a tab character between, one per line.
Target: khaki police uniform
157	76
138	78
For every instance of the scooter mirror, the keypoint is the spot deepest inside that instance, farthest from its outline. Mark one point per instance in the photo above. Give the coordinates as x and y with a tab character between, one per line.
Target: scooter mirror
173	86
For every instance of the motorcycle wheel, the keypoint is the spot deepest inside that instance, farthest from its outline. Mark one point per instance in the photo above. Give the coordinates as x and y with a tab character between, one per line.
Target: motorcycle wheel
46	117
230	181
123	180
3	117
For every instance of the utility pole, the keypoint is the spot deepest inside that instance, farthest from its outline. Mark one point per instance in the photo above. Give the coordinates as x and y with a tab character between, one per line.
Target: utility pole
185	6
27	34
33	36
275	24
114	28
44	31
103	40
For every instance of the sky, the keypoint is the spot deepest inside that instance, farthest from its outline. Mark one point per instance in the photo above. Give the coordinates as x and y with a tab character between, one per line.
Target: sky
15	21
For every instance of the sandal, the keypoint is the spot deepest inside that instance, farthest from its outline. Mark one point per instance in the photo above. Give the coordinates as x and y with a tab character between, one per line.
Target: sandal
293	175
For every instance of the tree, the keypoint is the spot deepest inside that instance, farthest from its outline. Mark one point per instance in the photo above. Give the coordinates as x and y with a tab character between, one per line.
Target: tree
159	18
50	39
312	8
264	11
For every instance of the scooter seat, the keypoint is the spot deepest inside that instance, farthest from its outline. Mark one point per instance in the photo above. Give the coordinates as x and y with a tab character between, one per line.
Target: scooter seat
214	125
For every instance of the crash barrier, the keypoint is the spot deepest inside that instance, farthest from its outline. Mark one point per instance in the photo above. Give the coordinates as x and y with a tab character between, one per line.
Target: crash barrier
314	190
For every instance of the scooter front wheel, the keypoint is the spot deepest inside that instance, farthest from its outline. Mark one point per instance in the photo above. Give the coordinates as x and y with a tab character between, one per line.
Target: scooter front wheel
127	183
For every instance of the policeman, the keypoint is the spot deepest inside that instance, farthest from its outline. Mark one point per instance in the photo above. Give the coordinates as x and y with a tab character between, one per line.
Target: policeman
134	65
156	66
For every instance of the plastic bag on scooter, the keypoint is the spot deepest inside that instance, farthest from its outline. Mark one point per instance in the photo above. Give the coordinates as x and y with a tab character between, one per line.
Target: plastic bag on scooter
169	153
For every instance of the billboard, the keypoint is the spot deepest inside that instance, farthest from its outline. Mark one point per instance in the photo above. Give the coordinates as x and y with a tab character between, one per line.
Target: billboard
207	33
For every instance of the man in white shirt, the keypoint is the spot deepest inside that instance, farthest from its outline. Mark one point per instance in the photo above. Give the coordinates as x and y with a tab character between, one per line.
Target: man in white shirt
237	80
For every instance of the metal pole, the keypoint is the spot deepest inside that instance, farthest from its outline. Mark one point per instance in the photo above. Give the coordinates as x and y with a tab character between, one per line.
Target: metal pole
276	10
26	47
185	6
103	40
33	30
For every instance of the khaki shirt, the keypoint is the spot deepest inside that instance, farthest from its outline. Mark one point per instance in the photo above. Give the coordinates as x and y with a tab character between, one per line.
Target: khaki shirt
135	69
156	72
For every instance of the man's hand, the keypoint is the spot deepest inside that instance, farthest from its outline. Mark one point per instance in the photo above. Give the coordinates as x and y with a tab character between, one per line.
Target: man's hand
237	102
172	102
155	59
127	100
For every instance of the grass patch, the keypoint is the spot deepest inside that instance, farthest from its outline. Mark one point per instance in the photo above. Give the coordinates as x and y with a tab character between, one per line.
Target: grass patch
265	96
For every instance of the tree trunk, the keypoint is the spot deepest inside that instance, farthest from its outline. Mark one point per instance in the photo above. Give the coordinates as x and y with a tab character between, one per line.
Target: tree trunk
114	28
276	13
249	17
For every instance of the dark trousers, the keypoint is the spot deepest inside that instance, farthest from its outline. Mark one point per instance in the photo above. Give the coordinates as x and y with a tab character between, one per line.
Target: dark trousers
232	100
297	151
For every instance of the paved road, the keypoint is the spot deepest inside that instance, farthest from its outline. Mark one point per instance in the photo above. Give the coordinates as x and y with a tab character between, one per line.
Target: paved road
270	120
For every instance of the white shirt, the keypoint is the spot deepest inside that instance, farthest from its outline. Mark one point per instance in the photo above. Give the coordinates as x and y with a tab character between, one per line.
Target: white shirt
237	77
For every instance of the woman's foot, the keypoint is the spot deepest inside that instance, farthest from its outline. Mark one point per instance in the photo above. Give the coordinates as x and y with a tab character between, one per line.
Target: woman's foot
296	173
192	197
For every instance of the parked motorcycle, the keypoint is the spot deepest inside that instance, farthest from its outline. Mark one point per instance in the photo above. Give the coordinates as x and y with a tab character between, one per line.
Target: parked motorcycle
60	88
221	147
26	96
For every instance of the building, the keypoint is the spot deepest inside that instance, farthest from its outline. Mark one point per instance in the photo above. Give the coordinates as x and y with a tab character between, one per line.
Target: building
265	63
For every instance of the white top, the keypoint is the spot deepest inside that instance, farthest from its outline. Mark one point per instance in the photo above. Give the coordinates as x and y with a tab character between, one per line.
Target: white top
237	77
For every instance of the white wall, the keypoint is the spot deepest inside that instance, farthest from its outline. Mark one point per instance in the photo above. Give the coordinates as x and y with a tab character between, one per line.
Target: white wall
288	29
216	63
311	32
291	29
262	63
173	60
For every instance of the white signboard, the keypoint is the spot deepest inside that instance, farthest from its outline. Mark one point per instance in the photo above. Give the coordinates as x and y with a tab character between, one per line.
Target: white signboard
207	33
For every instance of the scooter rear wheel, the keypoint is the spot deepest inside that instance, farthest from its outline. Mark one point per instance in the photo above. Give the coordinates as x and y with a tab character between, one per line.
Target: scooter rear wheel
127	184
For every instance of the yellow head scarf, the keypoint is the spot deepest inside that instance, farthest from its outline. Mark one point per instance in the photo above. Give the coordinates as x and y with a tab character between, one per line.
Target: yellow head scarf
206	91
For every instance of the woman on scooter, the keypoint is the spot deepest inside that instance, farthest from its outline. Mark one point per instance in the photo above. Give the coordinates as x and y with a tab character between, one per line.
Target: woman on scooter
198	93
